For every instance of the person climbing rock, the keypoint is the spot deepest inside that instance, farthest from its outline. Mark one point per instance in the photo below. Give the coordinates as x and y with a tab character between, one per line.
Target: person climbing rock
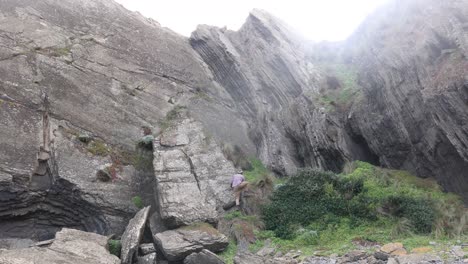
238	184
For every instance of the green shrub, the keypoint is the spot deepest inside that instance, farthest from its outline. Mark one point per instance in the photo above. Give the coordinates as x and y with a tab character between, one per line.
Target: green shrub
307	237
313	195
115	246
343	86
232	215
418	211
138	202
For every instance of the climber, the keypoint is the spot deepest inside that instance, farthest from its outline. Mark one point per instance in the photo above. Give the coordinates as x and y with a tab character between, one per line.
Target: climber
238	184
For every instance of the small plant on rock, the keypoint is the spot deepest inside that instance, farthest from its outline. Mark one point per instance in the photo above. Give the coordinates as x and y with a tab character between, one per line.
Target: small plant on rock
98	148
138	202
115	246
146	142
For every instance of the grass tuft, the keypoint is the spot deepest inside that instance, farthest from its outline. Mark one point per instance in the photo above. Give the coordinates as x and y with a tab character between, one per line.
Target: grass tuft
137	201
115	246
98	148
229	253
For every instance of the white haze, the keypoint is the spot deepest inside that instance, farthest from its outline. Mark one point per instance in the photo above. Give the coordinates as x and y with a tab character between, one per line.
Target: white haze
317	20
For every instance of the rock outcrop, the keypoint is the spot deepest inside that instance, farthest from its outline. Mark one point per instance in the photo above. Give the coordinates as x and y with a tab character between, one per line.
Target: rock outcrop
192	175
264	73
69	247
414	113
102	77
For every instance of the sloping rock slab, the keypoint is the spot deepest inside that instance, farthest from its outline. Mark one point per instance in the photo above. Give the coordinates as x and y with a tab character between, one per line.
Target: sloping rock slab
204	256
132	235
69	247
178	244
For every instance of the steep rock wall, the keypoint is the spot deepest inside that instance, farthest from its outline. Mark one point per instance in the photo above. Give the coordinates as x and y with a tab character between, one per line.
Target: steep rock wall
414	114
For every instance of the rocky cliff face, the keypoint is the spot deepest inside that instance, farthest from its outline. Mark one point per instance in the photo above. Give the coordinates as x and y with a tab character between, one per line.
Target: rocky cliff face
414	111
90	70
79	80
394	94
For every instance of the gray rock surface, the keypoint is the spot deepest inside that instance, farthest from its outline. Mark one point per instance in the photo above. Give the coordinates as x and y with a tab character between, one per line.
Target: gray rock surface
132	236
319	260
416	259
179	243
104	78
147	259
263	71
69	247
192	175
204	256
145	249
414	114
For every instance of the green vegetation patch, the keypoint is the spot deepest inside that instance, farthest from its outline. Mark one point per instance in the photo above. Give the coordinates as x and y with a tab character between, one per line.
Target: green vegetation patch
229	253
237	215
258	174
257	171
98	148
343	87
329	213
115	246
137	201
171	116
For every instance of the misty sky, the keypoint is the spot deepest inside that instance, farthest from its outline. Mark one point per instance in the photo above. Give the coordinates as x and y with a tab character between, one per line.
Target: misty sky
315	19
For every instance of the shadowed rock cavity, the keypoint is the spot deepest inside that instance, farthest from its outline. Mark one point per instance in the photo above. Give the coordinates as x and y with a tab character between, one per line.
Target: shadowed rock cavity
38	215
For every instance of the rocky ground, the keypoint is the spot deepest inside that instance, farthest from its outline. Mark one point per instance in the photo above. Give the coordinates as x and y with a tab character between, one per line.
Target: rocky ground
393	253
196	244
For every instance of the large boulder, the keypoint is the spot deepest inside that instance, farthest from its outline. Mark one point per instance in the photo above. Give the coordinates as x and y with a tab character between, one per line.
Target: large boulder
204	256
132	236
178	244
193	177
69	247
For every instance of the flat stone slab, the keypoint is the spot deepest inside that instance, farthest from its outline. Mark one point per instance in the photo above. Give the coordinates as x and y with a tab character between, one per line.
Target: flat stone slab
178	244
69	247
